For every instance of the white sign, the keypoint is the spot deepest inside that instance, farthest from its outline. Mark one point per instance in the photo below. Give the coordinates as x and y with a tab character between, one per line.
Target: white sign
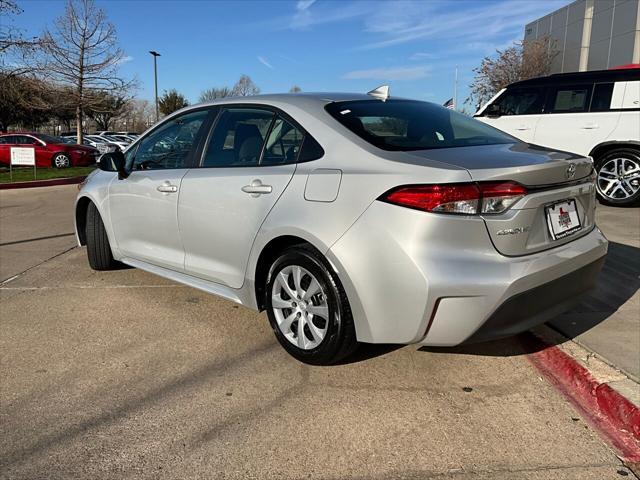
23	156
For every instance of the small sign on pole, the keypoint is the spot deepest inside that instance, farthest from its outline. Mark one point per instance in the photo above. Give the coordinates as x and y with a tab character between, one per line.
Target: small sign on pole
22	156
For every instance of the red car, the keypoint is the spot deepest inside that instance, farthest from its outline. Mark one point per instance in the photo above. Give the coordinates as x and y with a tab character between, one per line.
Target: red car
50	151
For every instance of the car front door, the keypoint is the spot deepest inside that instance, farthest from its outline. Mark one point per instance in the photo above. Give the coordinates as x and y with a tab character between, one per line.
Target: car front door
517	112
248	162
5	149
143	206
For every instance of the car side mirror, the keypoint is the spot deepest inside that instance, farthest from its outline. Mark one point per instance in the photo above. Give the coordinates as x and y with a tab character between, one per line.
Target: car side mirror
113	162
493	110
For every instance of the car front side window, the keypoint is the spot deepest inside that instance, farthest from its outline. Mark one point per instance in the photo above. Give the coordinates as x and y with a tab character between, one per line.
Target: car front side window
521	101
170	145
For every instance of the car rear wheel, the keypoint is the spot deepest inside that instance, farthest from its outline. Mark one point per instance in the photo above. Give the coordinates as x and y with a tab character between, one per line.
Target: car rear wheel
98	248
61	160
618	177
308	309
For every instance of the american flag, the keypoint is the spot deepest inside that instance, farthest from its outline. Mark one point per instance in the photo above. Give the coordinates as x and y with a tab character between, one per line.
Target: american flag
449	104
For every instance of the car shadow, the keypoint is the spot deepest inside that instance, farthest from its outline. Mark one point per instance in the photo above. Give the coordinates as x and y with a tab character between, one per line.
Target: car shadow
617	283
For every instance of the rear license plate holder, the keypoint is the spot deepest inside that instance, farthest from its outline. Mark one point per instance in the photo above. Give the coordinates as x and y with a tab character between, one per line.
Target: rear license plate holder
562	218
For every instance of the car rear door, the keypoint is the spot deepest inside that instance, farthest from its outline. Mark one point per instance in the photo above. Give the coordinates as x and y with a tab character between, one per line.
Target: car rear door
578	117
143	207
248	162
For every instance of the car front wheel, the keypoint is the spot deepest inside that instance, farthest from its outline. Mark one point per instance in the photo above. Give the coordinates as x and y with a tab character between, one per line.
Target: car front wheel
618	180
98	248
308	308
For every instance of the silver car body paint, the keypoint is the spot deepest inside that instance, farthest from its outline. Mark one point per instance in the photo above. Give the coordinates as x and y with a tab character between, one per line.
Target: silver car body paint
396	264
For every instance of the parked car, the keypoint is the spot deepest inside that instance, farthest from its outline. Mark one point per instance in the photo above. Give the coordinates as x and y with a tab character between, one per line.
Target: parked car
130	134
589	113
350	219
102	144
49	151
121	143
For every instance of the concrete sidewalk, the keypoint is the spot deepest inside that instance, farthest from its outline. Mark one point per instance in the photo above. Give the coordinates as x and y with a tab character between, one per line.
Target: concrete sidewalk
608	321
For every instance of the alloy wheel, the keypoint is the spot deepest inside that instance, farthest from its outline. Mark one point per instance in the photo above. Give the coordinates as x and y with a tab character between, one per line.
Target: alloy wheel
61	161
300	307
619	178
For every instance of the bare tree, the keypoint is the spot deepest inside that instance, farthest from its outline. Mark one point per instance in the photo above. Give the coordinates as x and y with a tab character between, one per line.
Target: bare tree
295	89
212	93
171	101
16	51
245	87
105	108
520	61
82	52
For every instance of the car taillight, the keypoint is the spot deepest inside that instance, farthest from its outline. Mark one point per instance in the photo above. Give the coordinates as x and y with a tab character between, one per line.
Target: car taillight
459	198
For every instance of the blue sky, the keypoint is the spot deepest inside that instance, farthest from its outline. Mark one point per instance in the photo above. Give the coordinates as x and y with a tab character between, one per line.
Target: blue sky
321	45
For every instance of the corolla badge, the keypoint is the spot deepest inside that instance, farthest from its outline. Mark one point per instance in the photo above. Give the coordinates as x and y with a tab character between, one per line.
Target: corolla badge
513	231
571	170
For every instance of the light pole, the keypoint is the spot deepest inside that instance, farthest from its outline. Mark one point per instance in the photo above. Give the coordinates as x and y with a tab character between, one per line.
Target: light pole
155	75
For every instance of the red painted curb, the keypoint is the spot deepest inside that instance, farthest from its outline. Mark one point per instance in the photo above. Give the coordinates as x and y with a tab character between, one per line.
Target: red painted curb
611	414
43	183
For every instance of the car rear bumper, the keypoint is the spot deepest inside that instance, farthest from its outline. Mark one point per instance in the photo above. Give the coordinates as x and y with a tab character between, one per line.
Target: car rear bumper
413	277
533	307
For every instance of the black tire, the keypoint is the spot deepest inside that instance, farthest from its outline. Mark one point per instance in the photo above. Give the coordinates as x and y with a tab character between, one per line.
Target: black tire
61	160
340	338
98	248
605	161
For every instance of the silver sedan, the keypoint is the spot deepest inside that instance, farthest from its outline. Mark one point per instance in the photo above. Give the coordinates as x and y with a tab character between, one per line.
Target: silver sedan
350	218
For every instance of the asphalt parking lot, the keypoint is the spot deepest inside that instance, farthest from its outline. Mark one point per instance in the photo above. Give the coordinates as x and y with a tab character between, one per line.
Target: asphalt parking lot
123	374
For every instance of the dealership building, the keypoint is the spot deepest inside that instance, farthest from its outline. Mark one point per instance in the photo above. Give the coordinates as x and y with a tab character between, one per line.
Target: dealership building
591	34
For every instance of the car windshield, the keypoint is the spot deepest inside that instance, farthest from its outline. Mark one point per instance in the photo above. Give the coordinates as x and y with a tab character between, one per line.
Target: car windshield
49	138
405	125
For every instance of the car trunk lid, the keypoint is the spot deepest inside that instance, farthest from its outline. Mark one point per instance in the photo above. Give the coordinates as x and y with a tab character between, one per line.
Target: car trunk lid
557	182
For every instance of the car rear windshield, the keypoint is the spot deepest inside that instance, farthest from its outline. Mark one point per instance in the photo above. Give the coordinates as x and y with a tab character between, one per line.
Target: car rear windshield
412	125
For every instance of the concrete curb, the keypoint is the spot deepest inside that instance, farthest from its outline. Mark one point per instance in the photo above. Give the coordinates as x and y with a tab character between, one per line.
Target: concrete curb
610	413
43	183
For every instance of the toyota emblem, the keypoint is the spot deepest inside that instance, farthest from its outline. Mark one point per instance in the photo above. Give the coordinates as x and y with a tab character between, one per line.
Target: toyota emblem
571	170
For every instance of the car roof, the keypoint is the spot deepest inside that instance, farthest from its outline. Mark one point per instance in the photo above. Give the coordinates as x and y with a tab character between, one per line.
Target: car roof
306	99
597	76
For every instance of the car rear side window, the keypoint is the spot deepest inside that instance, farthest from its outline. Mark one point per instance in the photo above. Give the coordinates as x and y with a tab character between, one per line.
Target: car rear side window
570	99
412	125
601	100
521	101
283	144
238	137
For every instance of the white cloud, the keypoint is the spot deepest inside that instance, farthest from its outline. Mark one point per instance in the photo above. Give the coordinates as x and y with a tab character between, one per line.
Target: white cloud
304	4
477	21
392	73
423	56
265	62
125	59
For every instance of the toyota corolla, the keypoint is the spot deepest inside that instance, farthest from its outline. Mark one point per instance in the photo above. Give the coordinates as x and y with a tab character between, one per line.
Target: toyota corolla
350	218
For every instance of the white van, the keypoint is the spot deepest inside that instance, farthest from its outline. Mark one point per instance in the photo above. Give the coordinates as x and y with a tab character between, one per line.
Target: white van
589	113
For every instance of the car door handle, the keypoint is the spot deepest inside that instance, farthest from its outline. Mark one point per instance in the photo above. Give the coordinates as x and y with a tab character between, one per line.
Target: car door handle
256	188
590	126
167	188
523	127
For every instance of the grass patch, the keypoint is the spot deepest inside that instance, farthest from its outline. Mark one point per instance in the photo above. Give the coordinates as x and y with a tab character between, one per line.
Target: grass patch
26	174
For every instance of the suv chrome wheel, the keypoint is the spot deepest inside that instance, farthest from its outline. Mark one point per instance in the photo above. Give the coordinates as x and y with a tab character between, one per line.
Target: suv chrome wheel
619	178
300	307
